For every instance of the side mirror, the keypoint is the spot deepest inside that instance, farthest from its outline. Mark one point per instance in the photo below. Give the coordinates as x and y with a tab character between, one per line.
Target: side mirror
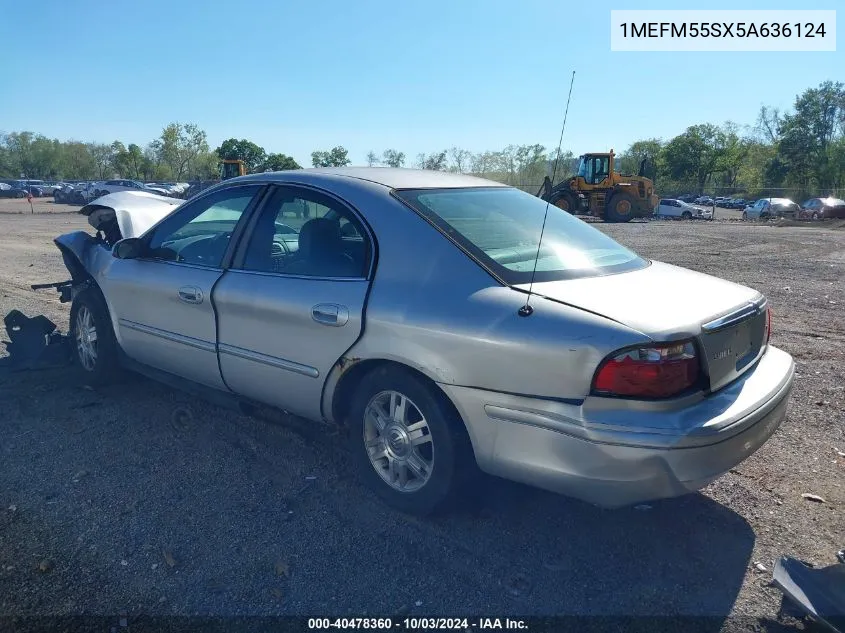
129	248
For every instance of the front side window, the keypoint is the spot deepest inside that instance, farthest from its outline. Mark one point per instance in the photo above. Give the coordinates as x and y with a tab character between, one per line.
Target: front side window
500	227
199	234
582	167
305	233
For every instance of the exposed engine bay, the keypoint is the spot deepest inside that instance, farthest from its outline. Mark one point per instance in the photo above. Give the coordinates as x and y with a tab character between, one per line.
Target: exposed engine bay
111	217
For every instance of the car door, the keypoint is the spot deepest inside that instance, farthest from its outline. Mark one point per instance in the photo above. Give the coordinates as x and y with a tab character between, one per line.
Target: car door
291	306
160	303
672	208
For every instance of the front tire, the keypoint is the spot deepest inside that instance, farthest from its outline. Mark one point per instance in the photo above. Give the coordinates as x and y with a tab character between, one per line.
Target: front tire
95	350
620	208
408	444
566	201
686	215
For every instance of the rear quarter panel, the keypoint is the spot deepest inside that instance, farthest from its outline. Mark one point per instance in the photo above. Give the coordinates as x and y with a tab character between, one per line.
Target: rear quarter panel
431	307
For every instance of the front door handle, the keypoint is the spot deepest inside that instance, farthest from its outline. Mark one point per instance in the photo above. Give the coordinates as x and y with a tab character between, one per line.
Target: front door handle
190	294
330	314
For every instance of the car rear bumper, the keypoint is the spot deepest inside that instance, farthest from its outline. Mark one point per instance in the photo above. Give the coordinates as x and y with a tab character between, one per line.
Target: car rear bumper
612	456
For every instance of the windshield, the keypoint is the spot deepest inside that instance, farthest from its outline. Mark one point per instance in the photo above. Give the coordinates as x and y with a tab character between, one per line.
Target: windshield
500	227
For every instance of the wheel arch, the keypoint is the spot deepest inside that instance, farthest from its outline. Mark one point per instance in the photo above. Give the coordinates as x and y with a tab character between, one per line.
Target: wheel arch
347	374
73	262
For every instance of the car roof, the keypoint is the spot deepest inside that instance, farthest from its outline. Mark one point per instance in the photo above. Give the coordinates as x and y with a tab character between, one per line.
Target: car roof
395	178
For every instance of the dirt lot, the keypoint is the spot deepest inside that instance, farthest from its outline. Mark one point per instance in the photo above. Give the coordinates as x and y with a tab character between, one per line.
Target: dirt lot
116	501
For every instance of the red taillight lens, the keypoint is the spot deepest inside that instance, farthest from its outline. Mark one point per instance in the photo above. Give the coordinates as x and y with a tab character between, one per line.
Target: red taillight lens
657	371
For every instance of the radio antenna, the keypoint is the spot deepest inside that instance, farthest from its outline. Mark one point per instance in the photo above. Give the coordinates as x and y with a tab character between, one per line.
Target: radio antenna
527	310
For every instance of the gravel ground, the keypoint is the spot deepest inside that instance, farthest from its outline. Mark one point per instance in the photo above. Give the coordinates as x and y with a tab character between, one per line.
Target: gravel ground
139	499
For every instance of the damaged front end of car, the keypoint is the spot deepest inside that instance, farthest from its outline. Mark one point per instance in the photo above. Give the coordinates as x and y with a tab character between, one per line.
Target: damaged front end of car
114	217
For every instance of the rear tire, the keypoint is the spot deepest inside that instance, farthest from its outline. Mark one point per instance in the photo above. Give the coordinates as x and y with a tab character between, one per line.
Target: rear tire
620	208
409	446
95	349
686	215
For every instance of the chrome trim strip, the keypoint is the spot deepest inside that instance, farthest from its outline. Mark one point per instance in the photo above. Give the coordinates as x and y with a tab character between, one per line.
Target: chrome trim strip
272	361
743	313
167	262
170	336
263	273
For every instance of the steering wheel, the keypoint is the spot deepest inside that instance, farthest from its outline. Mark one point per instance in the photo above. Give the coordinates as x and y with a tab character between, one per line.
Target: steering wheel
207	251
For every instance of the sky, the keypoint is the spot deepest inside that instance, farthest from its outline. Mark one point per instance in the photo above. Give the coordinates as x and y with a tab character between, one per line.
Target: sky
416	75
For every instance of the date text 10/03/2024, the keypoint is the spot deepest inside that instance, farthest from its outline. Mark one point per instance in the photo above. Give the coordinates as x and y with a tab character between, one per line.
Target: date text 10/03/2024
418	624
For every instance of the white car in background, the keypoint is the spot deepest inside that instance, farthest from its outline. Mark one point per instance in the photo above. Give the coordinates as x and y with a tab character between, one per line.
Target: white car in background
113	186
673	208
174	188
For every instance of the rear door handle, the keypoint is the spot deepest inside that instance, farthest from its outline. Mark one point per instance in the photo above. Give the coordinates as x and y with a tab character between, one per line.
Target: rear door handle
190	294
330	314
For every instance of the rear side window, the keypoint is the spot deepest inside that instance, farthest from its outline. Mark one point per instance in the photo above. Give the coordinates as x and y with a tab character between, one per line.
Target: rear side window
305	233
500	228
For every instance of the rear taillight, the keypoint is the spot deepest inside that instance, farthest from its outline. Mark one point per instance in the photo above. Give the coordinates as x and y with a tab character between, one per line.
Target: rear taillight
652	371
768	324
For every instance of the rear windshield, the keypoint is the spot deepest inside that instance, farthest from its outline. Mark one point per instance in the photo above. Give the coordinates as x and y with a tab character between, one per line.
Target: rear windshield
500	227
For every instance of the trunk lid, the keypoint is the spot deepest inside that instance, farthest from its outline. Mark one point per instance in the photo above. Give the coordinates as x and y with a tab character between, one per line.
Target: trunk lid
665	302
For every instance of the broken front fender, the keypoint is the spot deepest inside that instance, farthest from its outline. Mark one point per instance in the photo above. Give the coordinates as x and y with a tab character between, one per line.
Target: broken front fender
83	254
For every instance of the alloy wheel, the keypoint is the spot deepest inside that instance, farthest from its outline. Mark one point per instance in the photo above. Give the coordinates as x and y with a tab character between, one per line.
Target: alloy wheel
86	338
398	441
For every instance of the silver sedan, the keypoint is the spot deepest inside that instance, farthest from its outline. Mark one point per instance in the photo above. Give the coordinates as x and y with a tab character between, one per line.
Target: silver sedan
423	312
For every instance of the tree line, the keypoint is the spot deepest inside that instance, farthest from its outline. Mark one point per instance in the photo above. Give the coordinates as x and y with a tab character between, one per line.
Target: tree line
802	149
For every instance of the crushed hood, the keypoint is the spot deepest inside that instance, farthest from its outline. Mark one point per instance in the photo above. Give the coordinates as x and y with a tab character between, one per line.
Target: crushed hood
134	211
659	300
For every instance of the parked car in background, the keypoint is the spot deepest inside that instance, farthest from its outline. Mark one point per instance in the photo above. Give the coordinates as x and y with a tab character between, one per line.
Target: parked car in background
66	193
49	187
620	398
34	187
687	197
11	191
705	200
169	188
173	188
738	203
113	186
822	208
75	193
677	208
766	208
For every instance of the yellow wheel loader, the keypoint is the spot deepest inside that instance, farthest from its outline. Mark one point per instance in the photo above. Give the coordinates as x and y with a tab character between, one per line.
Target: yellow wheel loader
597	189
